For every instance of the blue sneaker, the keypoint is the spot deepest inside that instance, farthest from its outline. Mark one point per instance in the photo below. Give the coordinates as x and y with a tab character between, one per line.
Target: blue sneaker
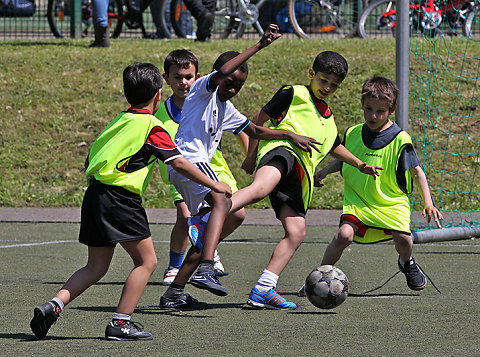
208	281
196	231
269	300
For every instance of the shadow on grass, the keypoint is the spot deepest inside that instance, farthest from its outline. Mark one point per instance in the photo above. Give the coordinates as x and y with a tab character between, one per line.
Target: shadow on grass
153	283
24	337
449	253
382	296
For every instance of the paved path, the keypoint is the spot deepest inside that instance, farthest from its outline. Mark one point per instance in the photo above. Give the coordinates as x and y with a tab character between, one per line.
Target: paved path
157	215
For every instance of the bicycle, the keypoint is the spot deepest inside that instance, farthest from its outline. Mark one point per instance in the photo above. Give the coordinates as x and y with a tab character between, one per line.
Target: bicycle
321	16
231	17
424	17
120	12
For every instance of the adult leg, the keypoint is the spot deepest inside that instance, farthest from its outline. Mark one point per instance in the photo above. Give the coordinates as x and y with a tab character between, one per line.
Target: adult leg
100	23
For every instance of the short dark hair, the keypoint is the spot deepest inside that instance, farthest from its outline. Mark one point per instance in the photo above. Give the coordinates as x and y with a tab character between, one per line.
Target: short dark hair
330	62
379	87
227	56
180	58
141	81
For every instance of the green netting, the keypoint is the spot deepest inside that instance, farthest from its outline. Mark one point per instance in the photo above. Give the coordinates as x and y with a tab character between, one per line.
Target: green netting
444	116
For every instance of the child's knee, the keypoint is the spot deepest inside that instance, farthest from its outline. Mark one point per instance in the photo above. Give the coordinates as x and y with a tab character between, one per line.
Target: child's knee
402	239
296	235
221	202
344	237
239	216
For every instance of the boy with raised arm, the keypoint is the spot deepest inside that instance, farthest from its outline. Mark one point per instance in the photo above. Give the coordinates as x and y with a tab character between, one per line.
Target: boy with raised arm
207	112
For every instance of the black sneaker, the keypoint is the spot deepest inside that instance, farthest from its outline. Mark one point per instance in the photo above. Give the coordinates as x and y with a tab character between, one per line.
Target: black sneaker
44	316
184	302
416	279
208	281
121	330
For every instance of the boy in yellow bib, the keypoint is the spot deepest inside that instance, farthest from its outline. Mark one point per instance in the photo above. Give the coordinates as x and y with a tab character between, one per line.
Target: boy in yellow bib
377	210
285	173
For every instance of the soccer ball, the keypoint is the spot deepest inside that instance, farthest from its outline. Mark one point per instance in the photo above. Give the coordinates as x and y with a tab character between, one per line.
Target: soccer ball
326	287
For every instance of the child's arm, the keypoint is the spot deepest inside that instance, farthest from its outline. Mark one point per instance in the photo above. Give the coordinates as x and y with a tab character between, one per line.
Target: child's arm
190	171
341	153
332	167
270	35
243	140
248	164
429	208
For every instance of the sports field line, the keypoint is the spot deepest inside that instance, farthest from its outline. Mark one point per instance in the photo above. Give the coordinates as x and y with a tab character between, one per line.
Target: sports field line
224	242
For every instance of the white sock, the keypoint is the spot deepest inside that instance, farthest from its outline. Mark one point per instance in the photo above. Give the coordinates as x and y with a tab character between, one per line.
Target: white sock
402	262
267	281
117	316
59	302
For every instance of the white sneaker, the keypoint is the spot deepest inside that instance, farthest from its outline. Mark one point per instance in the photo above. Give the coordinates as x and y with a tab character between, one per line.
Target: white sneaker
169	275
217	264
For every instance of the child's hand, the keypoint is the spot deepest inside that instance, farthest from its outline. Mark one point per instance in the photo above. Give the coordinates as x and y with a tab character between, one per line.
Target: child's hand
222	187
370	170
431	211
304	142
318	178
248	165
270	35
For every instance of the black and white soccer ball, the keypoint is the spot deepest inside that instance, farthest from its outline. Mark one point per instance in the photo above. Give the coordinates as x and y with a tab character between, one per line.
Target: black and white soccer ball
326	287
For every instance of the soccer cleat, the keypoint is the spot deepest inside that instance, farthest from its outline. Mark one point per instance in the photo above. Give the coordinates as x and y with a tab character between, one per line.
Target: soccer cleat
416	279
44	316
302	292
208	281
269	300
184	302
196	231
121	330
169	275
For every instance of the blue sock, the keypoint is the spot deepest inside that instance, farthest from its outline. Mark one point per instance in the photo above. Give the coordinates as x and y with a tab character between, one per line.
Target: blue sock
176	259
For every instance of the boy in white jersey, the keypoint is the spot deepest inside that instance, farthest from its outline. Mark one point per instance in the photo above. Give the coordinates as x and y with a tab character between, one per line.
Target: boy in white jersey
180	72
207	112
379	210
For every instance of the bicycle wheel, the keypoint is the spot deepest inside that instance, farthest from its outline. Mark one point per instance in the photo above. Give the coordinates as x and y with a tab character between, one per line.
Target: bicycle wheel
182	23
58	16
165	23
313	17
378	20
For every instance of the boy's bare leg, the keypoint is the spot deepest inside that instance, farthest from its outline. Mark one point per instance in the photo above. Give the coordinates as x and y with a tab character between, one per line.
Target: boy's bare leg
221	206
99	259
232	222
145	261
265	180
294	227
403	245
179	235
342	239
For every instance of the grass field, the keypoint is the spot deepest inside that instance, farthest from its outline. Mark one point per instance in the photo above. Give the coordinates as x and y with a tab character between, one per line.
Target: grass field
393	321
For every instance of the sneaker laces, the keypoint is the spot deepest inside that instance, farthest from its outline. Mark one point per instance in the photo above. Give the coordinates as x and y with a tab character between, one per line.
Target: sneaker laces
399	271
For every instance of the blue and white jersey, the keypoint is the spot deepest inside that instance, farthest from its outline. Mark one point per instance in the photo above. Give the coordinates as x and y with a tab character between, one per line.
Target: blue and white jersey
204	118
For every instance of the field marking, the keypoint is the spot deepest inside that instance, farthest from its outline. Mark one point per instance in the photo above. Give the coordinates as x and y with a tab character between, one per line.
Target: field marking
223	242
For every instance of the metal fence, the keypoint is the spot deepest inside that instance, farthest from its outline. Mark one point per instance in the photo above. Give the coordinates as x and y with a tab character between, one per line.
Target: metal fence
315	22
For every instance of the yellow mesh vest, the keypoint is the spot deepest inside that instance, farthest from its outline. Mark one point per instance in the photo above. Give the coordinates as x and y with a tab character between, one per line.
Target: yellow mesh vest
303	118
379	203
115	145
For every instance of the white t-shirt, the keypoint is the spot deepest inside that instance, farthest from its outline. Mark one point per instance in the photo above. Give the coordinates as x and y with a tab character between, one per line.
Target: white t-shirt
204	118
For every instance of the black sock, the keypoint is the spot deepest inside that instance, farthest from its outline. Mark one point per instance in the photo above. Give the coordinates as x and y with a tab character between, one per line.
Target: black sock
206	266
174	291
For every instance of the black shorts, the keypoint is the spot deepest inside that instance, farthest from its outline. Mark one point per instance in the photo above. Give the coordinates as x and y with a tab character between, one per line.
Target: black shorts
110	215
289	190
